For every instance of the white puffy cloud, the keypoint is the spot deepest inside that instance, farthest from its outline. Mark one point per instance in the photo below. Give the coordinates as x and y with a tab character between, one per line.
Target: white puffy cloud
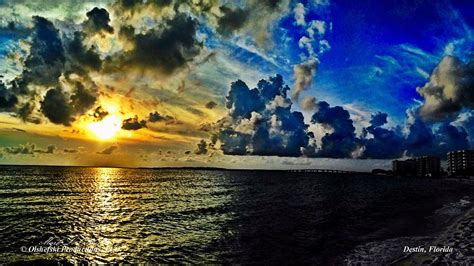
448	90
300	12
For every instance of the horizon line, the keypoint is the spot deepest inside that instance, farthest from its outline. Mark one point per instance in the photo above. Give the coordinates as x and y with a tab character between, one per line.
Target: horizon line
182	168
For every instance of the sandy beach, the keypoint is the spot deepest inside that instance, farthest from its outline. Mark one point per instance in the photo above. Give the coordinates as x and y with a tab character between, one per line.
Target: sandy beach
451	245
458	237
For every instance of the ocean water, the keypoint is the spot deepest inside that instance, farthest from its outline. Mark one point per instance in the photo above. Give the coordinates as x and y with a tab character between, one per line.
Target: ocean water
205	216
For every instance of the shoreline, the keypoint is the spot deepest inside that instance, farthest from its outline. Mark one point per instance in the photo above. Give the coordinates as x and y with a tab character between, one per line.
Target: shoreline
457	235
456	230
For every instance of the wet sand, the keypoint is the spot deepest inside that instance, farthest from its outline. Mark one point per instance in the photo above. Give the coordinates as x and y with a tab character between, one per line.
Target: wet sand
457	233
459	236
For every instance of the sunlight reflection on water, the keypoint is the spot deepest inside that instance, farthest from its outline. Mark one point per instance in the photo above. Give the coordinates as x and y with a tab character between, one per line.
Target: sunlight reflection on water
120	213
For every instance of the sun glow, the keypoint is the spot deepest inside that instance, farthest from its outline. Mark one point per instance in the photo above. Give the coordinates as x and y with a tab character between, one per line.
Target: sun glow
107	128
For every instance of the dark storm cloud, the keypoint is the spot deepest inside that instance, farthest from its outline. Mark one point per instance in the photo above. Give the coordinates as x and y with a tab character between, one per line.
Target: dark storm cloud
8	99
255	18
201	147
451	138
133	123
97	21
45	60
379	119
108	151
137	4
233	142
55	106
342	141
262	122
81	56
211	105
420	139
449	89
42	66
242	101
48	58
271	88
60	108
272	4
289	141
232	20
385	143
25	111
82	99
129	4
15	28
157	117
166	48
160	3
424	140
100	113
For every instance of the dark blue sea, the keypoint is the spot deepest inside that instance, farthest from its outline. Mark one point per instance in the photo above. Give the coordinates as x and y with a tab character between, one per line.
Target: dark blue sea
104	215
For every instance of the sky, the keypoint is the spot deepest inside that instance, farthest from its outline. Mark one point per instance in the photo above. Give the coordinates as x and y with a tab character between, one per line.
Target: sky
238	84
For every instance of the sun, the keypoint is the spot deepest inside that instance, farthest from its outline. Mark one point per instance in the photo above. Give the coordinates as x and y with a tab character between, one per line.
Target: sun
106	128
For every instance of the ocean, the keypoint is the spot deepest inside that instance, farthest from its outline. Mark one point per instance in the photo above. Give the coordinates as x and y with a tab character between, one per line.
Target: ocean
103	215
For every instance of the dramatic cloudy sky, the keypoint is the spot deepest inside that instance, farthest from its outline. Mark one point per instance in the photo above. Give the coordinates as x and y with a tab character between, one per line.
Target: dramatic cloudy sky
241	84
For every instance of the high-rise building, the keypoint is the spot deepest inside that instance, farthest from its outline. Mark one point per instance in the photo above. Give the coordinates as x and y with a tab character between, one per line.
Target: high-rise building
461	163
419	166
404	167
428	166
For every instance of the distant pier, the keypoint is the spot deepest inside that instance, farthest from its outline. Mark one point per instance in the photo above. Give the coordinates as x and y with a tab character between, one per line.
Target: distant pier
326	171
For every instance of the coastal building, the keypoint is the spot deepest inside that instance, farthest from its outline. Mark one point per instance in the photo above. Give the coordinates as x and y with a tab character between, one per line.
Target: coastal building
404	167
461	163
420	166
428	166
